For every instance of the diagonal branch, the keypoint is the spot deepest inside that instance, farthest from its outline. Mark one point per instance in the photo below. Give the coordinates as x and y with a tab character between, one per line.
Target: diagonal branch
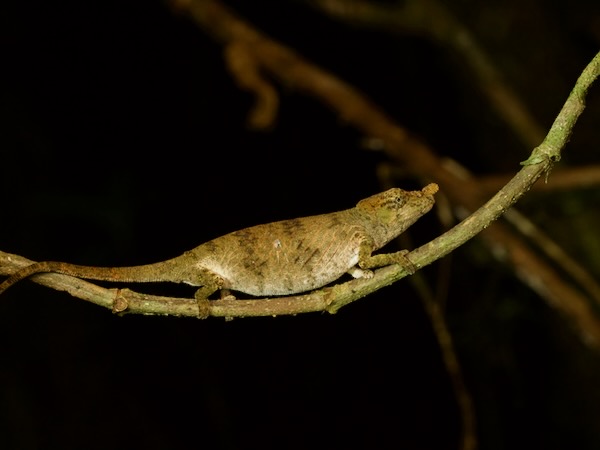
333	298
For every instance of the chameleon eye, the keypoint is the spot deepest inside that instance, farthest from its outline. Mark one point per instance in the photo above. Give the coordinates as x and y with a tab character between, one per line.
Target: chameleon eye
399	201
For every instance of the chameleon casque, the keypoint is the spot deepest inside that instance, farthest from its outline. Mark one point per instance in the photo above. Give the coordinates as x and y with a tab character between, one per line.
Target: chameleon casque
279	258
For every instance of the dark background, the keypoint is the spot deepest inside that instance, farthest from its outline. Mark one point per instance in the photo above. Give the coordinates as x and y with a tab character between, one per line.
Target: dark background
124	142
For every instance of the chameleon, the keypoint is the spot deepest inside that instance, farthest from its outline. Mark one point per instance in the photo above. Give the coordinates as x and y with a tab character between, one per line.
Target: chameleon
278	258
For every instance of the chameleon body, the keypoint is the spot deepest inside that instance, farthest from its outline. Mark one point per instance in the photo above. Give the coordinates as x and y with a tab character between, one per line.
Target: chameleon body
279	258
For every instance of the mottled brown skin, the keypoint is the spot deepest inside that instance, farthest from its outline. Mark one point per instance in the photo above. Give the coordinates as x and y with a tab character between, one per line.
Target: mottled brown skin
278	258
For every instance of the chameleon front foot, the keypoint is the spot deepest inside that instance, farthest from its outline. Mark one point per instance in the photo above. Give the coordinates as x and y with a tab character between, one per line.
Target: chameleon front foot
402	260
387	259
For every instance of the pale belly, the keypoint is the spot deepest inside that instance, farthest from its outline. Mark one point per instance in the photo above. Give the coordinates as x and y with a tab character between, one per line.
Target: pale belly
282	264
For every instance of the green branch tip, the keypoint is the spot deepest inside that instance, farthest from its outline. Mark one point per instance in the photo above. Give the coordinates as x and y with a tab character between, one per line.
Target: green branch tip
560	132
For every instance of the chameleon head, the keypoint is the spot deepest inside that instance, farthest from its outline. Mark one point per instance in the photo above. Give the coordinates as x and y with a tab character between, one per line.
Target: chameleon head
394	210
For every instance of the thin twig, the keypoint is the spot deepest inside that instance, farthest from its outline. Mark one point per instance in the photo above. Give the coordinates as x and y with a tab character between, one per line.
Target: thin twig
434	309
563	179
568	264
431	19
463	397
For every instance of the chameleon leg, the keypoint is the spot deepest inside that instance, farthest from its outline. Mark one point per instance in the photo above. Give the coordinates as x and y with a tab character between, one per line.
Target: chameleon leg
368	261
203	302
210	284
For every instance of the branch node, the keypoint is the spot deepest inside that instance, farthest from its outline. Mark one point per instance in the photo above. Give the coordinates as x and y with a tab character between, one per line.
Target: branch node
543	153
120	303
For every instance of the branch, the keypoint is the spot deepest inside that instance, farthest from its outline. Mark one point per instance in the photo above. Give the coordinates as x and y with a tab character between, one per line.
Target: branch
125	301
334	298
